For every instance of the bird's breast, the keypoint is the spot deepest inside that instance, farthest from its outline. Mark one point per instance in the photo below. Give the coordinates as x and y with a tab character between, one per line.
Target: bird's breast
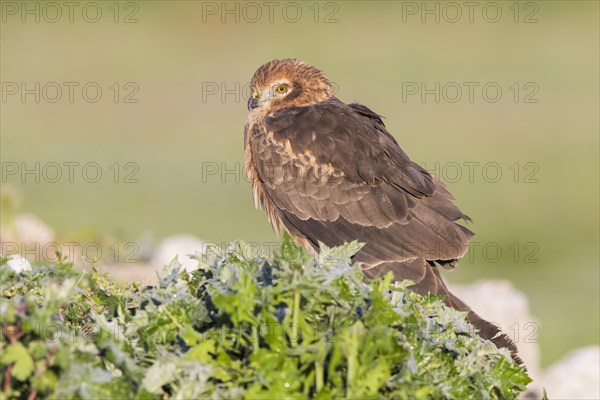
259	194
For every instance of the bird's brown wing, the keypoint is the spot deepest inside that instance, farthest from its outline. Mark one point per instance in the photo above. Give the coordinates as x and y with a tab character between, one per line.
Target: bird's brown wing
334	174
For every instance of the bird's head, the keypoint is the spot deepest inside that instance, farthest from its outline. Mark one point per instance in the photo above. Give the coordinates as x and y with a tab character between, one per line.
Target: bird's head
287	83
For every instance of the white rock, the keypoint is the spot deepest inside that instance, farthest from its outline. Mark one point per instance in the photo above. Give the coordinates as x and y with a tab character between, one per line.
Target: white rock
31	229
26	234
18	263
575	376
180	246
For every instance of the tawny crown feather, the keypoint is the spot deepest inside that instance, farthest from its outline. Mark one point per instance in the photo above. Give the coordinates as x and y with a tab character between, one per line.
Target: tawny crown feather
310	83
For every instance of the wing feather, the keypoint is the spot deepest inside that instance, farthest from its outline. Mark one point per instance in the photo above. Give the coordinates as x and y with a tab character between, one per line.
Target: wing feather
334	174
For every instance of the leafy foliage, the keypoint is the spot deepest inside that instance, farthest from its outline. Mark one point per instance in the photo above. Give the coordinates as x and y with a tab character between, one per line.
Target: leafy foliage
291	327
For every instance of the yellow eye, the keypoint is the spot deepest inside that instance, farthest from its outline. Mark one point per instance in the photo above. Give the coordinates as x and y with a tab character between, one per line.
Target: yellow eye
282	88
255	95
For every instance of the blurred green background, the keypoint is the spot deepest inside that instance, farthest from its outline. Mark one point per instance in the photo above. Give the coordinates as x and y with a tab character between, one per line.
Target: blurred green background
188	62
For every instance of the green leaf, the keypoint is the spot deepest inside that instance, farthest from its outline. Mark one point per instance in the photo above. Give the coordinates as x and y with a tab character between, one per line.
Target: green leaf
17	354
201	352
190	336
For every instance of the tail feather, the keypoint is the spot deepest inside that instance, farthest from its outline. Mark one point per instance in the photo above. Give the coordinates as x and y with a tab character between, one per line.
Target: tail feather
486	329
429	280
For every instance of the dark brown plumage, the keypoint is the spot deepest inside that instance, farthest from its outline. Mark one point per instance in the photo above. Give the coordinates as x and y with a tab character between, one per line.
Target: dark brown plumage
330	172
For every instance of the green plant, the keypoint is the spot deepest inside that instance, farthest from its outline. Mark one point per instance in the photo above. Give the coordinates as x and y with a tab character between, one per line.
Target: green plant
291	327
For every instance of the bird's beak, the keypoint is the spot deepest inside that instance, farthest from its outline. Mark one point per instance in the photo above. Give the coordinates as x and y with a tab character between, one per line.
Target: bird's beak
252	103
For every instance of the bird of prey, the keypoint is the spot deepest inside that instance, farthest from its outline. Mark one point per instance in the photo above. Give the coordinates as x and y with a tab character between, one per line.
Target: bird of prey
330	172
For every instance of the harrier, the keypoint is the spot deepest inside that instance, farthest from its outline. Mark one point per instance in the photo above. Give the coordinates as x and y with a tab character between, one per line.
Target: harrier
330	172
